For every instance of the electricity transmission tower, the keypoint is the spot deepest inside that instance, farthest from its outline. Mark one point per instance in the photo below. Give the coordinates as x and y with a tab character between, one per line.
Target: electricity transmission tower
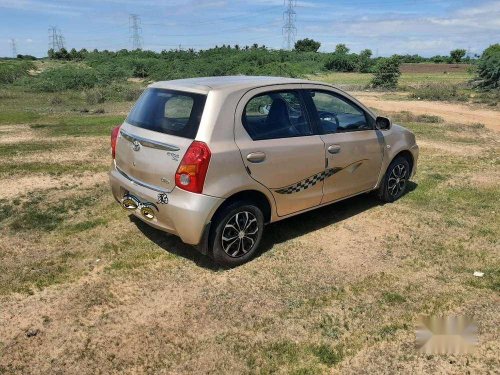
13	46
56	40
135	30
289	29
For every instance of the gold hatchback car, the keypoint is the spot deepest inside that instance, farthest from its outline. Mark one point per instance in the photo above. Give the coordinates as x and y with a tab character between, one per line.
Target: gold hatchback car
212	160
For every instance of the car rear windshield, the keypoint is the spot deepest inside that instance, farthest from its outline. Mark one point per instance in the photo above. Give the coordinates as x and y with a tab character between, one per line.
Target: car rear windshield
169	112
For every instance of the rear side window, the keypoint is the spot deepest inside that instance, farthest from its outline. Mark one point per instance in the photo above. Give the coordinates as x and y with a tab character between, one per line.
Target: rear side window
169	112
277	114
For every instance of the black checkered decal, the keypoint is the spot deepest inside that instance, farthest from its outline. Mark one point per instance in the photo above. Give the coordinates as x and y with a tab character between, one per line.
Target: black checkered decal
308	182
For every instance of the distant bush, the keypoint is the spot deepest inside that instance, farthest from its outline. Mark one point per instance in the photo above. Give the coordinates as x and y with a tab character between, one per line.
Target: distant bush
307	45
95	96
488	68
405	116
26	57
65	78
121	92
439	91
387	73
342	62
12	71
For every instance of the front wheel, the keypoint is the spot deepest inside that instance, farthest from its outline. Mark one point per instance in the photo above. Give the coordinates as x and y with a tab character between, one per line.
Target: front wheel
237	233
395	181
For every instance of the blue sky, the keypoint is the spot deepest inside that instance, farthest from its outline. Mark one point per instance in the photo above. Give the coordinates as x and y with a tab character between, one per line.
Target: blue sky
426	27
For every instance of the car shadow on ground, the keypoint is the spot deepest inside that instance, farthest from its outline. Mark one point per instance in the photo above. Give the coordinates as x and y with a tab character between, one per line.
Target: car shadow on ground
274	233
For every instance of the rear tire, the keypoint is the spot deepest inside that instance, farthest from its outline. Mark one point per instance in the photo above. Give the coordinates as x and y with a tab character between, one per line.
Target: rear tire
237	231
395	181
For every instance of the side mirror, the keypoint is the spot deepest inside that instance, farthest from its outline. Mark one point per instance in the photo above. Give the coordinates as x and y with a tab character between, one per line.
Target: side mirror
383	123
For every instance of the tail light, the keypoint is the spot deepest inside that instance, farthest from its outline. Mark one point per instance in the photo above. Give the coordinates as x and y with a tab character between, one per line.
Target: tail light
192	171
114	137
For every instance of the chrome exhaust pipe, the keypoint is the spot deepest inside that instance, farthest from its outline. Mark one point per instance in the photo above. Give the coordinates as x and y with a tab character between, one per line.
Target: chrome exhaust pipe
147	211
130	203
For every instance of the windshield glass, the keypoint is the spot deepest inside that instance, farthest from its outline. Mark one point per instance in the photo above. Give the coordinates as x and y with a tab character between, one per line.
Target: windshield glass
170	112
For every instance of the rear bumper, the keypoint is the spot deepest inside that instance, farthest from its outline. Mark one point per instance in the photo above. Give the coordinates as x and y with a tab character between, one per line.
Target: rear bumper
185	215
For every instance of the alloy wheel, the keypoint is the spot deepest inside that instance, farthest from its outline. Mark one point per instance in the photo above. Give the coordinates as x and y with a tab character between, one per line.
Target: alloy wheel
240	234
397	180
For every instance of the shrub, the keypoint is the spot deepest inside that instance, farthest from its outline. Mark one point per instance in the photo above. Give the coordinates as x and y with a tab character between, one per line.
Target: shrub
65	78
488	68
95	96
439	91
122	92
342	62
406	116
12	71
387	73
307	45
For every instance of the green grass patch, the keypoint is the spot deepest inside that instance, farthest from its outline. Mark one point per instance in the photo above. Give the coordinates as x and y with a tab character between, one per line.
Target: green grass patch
20	148
39	274
490	280
390	330
328	355
53	169
18	117
6	209
84	225
393	298
81	126
134	253
39	213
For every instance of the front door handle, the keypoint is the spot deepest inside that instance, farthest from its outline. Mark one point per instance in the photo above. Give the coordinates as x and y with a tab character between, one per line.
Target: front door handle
334	149
256	157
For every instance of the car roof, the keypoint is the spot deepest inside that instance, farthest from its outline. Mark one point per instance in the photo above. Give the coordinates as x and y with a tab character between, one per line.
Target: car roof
229	83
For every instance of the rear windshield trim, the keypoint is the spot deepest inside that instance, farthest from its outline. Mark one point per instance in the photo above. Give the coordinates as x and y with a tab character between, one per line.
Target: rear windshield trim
138	116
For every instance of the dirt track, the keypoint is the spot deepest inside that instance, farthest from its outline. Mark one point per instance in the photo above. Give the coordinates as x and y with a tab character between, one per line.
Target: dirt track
450	112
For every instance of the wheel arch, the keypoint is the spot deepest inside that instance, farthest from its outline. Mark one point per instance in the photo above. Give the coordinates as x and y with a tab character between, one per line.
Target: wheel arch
251	196
408	156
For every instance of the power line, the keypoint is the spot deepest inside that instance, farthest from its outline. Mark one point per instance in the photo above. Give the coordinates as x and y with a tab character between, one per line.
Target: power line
56	39
13	46
289	30
136	30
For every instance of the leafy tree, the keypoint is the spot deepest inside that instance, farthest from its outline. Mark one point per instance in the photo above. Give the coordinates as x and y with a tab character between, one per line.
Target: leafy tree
307	45
387	73
457	55
365	61
488	68
342	49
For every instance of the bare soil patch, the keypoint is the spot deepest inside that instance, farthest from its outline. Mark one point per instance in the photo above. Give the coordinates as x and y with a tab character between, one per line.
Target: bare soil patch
450	112
434	68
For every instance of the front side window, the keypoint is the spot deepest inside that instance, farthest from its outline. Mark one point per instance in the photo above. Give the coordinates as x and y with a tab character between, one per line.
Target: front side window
170	112
338	115
277	114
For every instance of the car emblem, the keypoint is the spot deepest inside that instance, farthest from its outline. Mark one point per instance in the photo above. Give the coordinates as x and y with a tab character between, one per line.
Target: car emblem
136	146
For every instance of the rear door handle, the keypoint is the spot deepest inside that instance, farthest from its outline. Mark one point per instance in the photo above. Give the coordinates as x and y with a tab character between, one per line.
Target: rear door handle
334	149
256	157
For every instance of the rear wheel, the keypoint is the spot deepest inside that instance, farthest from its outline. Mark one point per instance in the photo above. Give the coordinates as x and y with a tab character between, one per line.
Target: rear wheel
395	181
236	234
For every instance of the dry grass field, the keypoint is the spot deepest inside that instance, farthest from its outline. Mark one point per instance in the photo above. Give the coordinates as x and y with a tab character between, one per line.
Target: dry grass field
85	288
